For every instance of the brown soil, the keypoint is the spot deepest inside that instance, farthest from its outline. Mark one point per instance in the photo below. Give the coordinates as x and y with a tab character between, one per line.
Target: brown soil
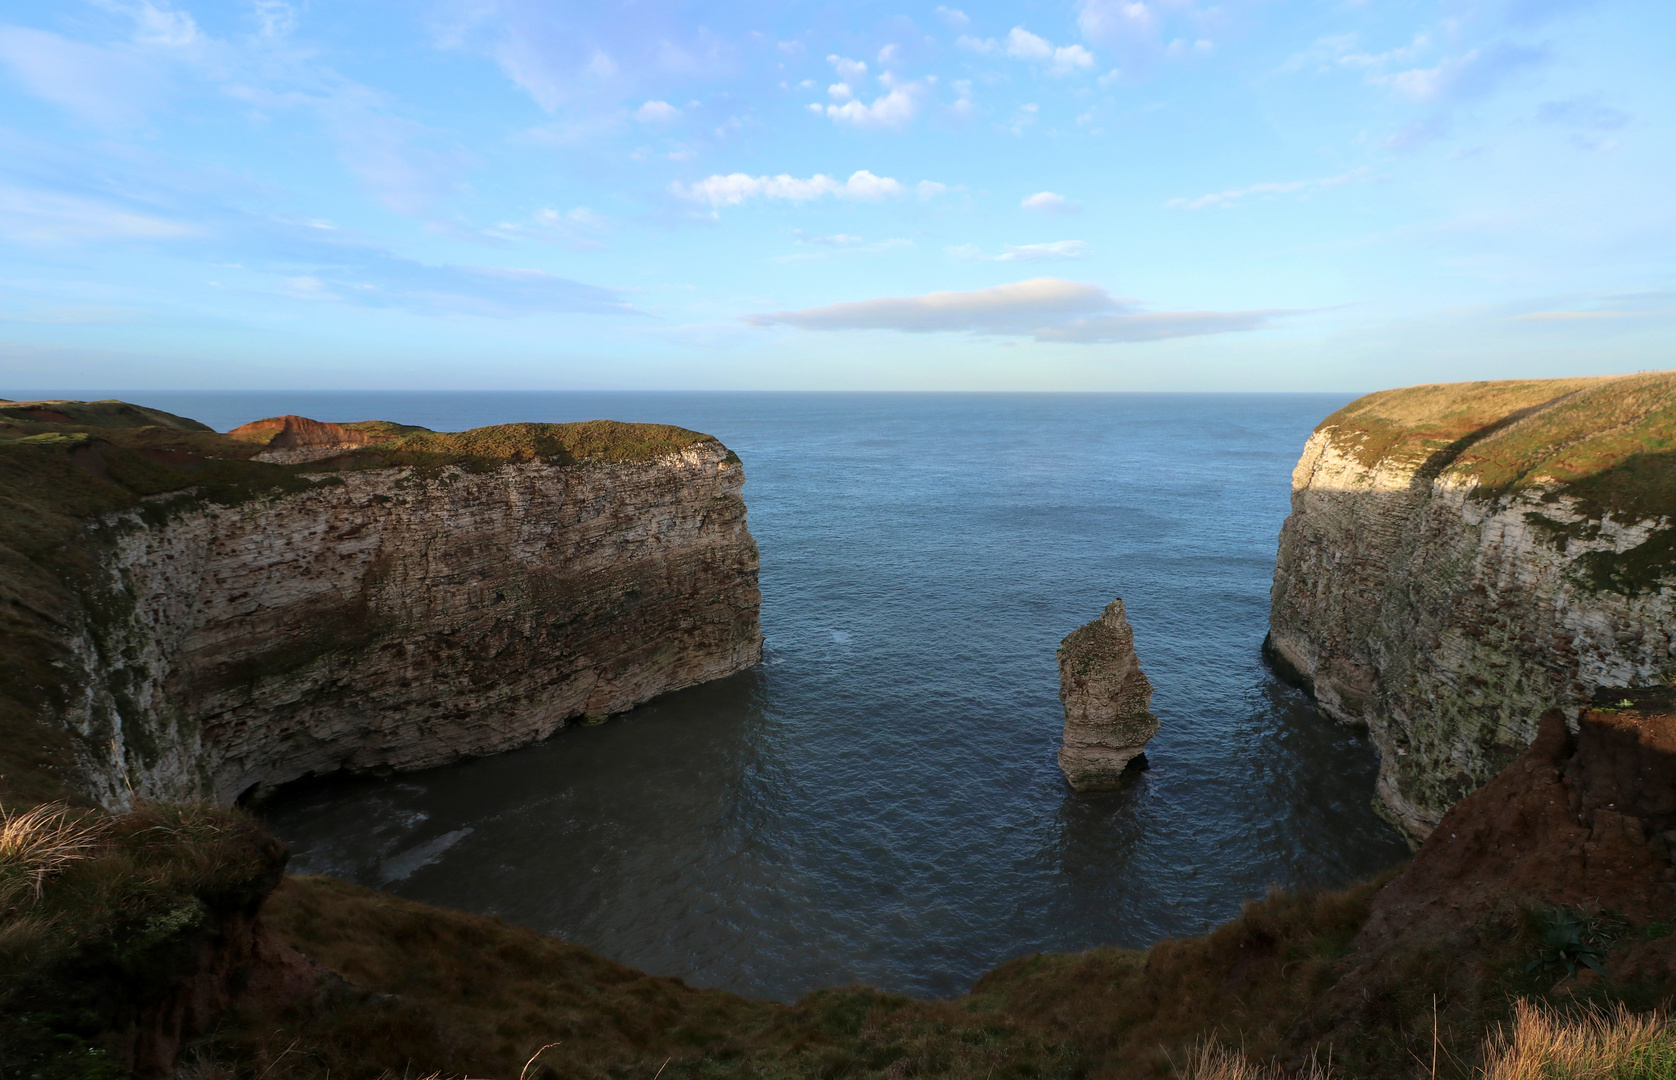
293	432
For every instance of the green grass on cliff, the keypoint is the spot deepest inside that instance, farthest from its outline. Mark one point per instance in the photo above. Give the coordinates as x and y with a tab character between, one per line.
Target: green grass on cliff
64	464
1608	443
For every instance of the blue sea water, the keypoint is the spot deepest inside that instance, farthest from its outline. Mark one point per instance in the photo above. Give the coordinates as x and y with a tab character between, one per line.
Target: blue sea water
879	801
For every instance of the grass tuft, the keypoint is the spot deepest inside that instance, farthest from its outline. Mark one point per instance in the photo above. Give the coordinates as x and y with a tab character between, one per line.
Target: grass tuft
38	844
1212	1060
1543	1043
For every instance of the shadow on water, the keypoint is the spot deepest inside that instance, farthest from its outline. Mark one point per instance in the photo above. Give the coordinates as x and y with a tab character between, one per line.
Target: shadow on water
879	802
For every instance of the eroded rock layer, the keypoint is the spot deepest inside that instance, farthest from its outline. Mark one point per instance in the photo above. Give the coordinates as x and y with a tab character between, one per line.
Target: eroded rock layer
1461	557
1107	701
434	597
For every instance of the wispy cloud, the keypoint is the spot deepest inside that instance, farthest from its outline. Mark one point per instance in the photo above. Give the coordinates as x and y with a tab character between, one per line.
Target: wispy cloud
1021	44
108	86
386	281
1047	309
1225	200
736	188
578	229
1469	75
47	217
835	240
1143	32
1049	252
586	54
1048	202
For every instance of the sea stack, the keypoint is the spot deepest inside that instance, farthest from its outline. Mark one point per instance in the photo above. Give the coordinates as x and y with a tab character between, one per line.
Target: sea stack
1107	702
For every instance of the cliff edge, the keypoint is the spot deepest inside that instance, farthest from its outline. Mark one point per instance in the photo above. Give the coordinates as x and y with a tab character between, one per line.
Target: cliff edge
196	615
1462	557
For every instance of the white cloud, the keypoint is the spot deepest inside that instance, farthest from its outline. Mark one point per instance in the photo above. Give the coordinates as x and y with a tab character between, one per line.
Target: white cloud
1047	309
1071	58
1049	252
930	189
848	70
891	110
736	188
1023	45
1224	200
656	112
953	18
1048	202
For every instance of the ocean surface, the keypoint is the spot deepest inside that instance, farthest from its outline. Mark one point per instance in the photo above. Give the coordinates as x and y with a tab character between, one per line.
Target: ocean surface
879	801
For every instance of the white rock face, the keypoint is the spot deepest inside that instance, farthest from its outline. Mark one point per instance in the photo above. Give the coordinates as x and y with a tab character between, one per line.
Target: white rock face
1445	620
398	619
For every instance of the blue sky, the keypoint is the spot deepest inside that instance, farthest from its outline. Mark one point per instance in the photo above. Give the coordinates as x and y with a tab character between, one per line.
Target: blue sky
1083	195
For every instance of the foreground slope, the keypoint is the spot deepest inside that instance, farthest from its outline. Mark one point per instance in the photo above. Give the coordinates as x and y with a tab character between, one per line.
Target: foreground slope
1461	557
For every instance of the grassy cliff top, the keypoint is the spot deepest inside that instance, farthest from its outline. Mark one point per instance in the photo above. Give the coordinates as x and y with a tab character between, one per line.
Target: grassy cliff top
65	463
1607	443
1608	438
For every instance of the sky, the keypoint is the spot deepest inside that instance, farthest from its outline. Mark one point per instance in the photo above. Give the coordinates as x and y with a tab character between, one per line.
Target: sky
1238	195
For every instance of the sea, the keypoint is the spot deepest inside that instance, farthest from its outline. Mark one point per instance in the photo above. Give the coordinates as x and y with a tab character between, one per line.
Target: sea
879	801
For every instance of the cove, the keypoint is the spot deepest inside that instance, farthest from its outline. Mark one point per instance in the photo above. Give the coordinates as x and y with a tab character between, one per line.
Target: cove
879	801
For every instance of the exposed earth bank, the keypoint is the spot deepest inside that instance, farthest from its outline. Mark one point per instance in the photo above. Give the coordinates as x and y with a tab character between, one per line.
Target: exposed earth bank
1462	557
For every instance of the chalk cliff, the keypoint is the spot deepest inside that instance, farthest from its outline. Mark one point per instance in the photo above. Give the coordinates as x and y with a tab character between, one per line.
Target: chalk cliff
1106	698
1461	557
206	625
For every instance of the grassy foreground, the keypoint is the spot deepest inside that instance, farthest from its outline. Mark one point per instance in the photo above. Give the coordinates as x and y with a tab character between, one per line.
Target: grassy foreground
97	906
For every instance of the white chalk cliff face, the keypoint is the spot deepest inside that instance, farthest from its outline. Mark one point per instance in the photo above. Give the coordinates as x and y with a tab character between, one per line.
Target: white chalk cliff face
398	618
1460	558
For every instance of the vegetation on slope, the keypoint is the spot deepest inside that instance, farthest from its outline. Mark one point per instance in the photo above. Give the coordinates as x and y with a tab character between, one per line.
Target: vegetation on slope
103	918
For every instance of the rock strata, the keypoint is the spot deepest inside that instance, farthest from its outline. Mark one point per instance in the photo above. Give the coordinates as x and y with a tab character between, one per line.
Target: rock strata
1107	700
1462	557
430	597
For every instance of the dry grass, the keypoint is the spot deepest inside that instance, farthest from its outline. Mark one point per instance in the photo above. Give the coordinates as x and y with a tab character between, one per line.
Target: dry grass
1212	1060
1545	1044
38	844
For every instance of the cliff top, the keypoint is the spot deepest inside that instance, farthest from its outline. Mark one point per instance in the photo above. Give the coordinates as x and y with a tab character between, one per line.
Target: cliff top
1610	441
